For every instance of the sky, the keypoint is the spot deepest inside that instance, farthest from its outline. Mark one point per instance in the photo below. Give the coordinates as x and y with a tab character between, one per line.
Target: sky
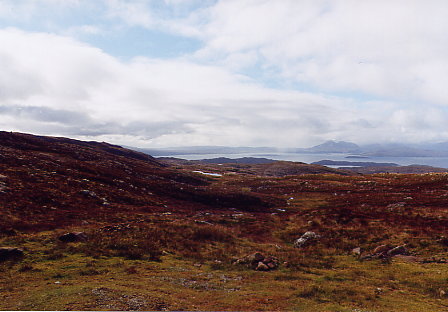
285	73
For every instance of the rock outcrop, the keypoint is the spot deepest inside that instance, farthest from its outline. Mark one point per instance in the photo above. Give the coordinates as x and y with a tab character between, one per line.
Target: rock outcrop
306	239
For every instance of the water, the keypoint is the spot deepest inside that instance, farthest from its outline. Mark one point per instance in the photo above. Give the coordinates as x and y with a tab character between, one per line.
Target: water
441	162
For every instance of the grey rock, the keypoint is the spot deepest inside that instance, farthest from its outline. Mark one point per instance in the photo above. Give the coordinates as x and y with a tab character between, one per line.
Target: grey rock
306	239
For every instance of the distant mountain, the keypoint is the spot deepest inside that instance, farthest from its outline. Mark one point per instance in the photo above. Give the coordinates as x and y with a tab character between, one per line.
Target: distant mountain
335	147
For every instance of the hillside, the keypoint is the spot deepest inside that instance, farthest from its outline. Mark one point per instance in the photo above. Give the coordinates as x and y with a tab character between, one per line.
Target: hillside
49	182
189	236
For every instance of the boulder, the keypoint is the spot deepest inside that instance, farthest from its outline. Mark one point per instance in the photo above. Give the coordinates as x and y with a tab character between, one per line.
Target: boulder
356	251
262	267
306	239
10	253
381	249
386	252
399	250
271	262
73	237
255	257
252	259
272	265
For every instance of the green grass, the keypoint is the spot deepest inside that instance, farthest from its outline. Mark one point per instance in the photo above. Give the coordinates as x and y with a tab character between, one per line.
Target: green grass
82	282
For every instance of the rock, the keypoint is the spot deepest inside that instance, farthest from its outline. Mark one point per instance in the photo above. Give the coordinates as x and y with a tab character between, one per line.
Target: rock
271	262
10	253
399	250
254	258
73	237
272	265
356	251
442	293
381	249
306	239
259	262
270	259
262	267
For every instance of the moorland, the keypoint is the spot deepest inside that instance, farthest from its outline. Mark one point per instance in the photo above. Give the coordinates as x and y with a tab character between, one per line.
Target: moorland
166	234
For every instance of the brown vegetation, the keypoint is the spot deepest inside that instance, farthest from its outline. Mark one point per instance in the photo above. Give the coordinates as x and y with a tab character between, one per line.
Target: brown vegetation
159	233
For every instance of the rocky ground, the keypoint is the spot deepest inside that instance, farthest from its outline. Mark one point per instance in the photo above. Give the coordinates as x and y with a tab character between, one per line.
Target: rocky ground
143	235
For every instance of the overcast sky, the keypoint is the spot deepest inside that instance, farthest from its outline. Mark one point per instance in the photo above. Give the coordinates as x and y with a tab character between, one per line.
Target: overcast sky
287	73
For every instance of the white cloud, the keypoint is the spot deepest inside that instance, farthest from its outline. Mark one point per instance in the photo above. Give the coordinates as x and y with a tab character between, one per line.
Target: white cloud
132	12
391	49
57	85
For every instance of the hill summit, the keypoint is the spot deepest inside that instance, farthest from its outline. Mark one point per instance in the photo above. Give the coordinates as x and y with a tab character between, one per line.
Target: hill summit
335	147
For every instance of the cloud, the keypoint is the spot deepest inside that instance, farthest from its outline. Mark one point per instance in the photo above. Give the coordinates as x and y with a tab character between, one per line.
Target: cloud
57	85
131	12
283	73
390	49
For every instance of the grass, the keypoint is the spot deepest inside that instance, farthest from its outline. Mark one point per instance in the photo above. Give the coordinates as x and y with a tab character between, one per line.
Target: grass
313	281
183	261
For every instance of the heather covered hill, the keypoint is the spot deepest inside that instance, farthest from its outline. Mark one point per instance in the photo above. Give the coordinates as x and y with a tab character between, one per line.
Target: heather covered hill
48	181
